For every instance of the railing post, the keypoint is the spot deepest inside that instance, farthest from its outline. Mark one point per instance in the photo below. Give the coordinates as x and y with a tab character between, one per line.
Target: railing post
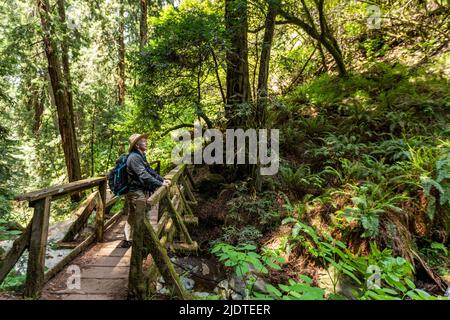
136	283
190	178
37	248
165	266
187	208
188	190
100	213
18	247
184	234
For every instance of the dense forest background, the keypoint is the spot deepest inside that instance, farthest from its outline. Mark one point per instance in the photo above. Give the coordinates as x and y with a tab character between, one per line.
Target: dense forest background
358	89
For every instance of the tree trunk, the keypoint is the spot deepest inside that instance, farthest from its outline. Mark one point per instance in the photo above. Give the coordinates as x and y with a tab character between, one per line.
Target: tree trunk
325	36
65	119
329	41
199	108
216	70
94	112
263	76
336	53
65	57
67	79
143	30
238	84
121	49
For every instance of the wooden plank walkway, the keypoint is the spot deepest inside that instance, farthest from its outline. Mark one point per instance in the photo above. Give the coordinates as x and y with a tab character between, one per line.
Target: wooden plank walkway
104	270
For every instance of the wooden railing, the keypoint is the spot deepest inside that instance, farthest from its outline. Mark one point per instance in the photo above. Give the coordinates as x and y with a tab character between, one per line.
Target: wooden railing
173	207
174	212
34	238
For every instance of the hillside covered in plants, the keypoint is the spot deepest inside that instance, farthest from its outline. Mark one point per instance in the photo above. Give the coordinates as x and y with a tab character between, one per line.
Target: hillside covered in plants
359	91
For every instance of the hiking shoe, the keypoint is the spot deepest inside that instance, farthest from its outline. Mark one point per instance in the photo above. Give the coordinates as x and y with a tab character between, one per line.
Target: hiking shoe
125	244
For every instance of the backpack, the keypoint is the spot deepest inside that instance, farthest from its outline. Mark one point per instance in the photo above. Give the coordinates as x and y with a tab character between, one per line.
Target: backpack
118	176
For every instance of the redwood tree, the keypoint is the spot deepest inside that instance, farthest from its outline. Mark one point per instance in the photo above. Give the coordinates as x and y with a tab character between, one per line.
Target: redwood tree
60	91
143	26
238	84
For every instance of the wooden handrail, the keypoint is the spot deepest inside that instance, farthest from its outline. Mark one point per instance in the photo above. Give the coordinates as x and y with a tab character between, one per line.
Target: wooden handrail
160	193
35	237
172	203
61	190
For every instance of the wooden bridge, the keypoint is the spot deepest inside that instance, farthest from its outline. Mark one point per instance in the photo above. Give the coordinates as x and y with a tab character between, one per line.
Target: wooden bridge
97	267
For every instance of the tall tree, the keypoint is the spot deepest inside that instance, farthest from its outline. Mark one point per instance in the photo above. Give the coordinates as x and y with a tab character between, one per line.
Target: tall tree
238	84
65	56
121	51
263	76
60	93
143	26
322	33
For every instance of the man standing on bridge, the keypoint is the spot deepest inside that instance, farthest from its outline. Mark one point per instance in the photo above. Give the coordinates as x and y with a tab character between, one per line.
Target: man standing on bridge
142	181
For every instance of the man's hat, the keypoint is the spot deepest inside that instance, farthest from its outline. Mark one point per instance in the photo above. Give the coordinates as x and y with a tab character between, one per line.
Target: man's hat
134	138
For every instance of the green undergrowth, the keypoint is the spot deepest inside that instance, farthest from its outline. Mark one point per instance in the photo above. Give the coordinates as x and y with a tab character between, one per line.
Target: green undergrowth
364	183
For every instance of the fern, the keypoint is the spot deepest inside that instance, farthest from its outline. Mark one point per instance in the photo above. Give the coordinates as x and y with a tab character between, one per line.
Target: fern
370	202
300	179
441	184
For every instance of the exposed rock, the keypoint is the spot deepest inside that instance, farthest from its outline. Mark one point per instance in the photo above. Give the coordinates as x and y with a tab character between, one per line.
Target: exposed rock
447	293
201	294
6	245
223	290
163	291
205	269
238	285
260	286
188	284
236	296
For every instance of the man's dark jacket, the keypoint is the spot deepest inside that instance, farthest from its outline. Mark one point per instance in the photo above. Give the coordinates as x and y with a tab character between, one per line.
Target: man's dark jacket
141	175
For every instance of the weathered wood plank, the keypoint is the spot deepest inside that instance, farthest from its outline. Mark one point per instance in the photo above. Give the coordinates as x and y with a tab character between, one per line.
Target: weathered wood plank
16	251
160	193
83	212
100	213
37	248
113	219
184	234
113	261
157	196
72	255
61	190
191	220
184	247
165	266
67	245
191	180
136	283
80	248
188	190
162	222
186	207
175	173
110	203
96	272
